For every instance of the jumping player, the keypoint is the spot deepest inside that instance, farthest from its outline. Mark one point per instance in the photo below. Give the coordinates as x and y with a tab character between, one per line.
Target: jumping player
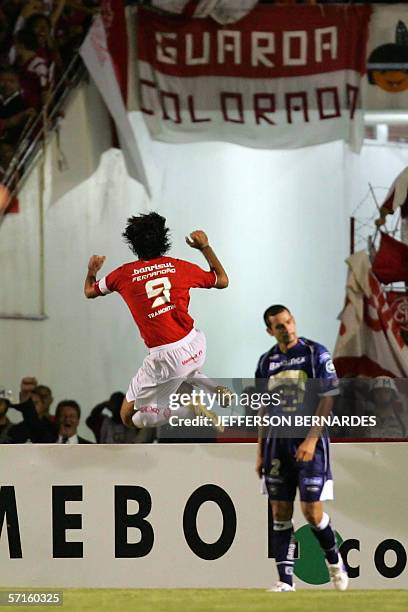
288	463
156	290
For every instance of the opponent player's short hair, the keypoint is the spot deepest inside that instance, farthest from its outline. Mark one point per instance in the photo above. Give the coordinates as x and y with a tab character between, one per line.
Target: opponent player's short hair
272	311
147	235
70	404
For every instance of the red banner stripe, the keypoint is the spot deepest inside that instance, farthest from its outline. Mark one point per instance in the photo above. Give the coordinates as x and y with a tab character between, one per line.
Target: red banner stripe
271	42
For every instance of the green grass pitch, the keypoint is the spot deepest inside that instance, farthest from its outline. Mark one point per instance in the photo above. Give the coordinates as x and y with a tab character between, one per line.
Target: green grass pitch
226	600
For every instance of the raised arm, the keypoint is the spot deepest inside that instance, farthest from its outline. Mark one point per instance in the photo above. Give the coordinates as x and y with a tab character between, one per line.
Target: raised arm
199	240
94	265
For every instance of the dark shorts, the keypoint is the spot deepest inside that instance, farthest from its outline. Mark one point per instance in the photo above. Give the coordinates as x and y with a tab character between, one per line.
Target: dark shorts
283	474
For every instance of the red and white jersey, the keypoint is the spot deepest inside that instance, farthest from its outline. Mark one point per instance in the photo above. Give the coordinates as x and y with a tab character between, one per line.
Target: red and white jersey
157	294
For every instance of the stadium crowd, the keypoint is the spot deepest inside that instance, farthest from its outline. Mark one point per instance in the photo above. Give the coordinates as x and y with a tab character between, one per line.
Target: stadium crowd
38	39
38	425
32	419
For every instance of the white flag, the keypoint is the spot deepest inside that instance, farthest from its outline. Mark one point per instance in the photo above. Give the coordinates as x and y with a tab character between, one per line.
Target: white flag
223	11
369	340
95	53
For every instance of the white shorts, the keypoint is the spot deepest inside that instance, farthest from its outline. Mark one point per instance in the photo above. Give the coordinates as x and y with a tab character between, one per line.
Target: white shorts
163	371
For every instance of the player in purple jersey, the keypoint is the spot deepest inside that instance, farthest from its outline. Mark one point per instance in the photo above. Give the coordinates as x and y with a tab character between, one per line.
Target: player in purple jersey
287	463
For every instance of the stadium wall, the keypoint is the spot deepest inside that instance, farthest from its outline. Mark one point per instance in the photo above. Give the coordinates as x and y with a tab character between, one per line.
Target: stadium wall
186	516
277	219
259	219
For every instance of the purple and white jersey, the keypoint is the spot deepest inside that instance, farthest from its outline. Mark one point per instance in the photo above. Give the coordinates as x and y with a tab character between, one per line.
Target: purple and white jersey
301	375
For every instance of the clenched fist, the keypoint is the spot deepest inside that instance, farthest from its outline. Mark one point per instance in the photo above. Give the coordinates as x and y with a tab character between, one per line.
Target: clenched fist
95	263
197	240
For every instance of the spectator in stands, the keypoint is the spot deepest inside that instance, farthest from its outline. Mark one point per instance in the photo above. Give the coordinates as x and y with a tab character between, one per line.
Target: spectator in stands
30	7
5	424
67	416
50	8
27	386
72	26
110	429
33	70
46	396
392	418
13	105
36	426
37	60
32	32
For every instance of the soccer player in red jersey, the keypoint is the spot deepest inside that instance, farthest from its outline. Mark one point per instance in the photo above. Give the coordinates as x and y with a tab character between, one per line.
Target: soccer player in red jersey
156	289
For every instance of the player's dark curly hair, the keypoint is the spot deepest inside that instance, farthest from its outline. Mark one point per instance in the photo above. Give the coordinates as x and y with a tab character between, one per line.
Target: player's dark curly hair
147	235
272	311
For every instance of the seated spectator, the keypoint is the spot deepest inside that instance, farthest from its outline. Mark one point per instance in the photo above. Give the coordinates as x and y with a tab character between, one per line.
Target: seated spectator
5	424
392	418
12	106
67	418
110	429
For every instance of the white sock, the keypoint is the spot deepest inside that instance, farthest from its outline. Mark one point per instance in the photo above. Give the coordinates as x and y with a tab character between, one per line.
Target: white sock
323	523
153	416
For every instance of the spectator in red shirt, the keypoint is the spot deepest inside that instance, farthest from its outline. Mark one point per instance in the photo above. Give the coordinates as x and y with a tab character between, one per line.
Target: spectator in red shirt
33	69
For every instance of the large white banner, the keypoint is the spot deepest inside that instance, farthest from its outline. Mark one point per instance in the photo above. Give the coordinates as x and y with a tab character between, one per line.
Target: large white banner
279	78
186	516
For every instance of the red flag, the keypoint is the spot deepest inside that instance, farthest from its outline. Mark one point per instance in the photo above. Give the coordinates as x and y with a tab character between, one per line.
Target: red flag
398	302
391	261
114	19
369	340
